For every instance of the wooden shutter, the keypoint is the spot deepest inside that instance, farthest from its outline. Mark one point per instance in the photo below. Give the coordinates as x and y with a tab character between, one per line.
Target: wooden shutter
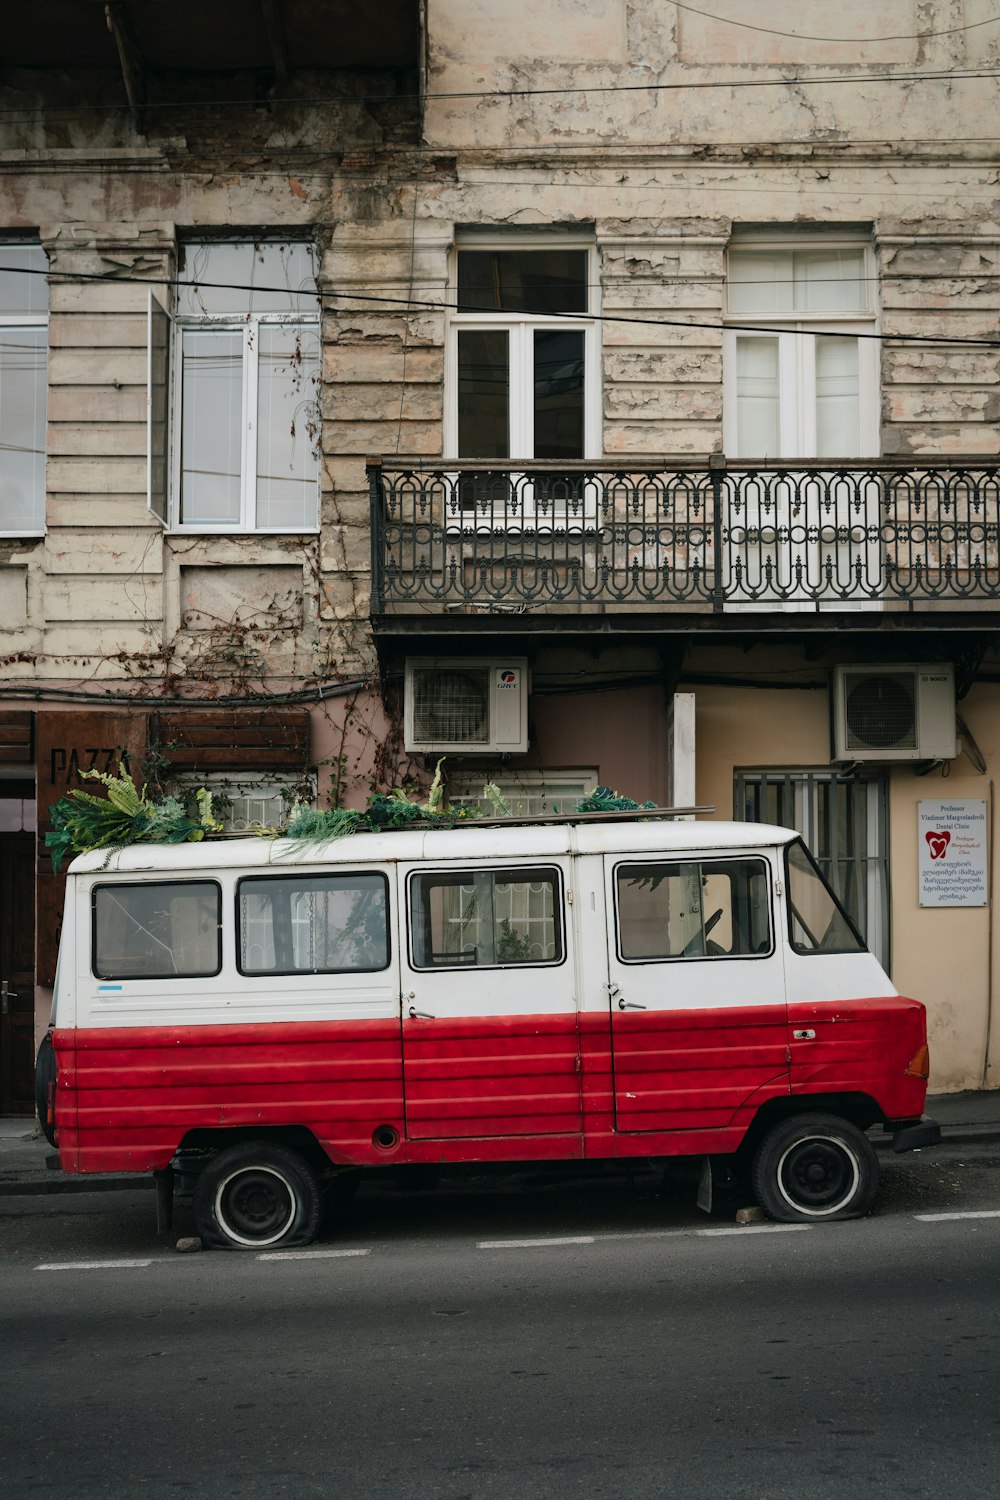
234	739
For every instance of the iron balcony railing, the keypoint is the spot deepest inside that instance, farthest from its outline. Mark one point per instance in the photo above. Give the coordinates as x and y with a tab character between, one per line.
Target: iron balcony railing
693	536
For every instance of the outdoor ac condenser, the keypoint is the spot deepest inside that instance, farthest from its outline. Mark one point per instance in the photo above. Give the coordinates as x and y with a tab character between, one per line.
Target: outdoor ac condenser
894	712
466	705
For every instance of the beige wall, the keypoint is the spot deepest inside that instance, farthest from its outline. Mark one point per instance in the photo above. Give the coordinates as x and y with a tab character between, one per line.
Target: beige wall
941	956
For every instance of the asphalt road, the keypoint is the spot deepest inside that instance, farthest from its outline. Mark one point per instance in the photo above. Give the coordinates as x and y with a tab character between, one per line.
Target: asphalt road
512	1340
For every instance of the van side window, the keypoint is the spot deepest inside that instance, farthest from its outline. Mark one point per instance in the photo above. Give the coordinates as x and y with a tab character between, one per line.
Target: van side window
693	909
485	919
313	924
157	930
817	922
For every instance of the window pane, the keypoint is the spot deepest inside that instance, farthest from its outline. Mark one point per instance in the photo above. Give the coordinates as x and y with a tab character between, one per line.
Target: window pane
759	281
220	279
693	910
22	427
523	281
211	427
838	390
322	924
287	426
830	281
157	931
758	412
559	369
783	281
22	290
817	921
485	919
483	394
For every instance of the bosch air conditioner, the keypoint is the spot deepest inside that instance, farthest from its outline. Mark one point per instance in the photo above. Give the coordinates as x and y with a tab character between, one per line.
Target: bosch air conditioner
466	706
894	712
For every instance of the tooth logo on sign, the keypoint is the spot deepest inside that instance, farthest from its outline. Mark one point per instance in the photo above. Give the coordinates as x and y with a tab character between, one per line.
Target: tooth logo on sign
938	843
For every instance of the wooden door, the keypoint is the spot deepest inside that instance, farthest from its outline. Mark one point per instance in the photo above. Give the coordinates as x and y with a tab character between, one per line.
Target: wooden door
17	973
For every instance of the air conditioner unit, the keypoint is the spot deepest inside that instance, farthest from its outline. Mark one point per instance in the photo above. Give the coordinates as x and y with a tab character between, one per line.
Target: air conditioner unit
466	705
894	713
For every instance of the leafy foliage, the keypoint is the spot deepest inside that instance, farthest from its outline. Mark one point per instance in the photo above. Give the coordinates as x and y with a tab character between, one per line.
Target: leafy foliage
82	822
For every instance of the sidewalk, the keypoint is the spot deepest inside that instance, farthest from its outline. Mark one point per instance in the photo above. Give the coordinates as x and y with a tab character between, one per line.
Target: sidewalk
972	1118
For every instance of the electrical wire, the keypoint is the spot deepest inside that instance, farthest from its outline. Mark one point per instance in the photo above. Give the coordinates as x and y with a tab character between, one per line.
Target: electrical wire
867	41
409	303
16	115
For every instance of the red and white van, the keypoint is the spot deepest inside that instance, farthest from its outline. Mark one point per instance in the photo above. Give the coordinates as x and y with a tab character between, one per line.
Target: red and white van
273	1011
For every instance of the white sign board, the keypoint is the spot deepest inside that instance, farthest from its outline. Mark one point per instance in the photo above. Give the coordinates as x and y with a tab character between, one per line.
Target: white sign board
952	853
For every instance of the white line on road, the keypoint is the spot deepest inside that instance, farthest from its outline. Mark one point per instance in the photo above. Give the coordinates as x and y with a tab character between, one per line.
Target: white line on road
94	1265
979	1213
570	1239
309	1254
755	1229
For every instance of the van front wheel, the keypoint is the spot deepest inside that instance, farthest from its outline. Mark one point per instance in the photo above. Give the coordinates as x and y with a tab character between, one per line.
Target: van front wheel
257	1195
815	1167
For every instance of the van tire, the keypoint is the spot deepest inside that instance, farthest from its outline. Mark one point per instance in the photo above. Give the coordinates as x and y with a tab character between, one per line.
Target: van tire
257	1195
815	1168
45	1077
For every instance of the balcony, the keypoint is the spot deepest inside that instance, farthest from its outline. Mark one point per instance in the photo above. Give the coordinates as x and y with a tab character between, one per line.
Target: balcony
684	545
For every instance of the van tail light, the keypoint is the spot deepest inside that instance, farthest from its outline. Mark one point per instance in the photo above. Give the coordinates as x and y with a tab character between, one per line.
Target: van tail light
919	1065
50	1103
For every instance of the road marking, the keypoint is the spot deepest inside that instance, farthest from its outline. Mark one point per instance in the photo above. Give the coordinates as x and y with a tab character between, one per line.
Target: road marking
979	1213
309	1254
93	1265
755	1229
569	1239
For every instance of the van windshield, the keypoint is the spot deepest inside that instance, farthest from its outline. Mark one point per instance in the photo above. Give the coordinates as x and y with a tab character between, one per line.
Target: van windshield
817	922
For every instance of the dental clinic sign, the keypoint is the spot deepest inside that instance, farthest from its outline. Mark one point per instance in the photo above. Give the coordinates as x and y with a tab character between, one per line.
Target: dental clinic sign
952	853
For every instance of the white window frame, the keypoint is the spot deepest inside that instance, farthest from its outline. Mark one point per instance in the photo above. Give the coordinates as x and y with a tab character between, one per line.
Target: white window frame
520	328
243	785
27	320
248	325
797	355
466	789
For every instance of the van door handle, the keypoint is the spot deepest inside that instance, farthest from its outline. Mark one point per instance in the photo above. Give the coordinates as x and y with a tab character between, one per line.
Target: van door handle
419	1015
806	1035
630	1005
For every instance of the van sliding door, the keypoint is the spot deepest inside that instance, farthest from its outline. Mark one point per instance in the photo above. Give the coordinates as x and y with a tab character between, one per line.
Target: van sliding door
697	990
490	1035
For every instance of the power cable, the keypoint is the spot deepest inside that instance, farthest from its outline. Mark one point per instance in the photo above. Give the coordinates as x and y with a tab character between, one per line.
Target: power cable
867	41
324	298
16	115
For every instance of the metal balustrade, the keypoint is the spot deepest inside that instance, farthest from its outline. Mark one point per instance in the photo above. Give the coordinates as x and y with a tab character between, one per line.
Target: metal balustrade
688	536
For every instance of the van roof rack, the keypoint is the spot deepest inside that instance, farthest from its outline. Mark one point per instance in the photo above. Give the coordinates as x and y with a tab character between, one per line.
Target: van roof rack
639	814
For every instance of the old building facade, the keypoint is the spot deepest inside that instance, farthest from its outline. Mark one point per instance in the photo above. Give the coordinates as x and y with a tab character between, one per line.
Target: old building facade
591	391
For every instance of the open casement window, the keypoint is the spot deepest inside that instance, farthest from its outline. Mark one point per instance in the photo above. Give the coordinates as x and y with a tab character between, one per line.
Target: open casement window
522	375
845	824
246	373
24	343
801	382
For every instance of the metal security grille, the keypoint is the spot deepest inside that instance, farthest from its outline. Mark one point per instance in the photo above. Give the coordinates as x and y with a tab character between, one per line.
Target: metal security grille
845	823
451	707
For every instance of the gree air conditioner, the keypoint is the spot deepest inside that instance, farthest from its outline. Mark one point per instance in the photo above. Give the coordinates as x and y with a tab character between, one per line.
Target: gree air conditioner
894	713
466	705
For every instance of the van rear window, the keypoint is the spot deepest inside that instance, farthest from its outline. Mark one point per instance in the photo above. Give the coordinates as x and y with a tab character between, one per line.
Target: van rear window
313	924
157	930
485	919
693	909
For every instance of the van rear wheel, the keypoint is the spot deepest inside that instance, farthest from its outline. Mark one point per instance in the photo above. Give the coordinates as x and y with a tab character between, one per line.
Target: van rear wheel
813	1168
257	1195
